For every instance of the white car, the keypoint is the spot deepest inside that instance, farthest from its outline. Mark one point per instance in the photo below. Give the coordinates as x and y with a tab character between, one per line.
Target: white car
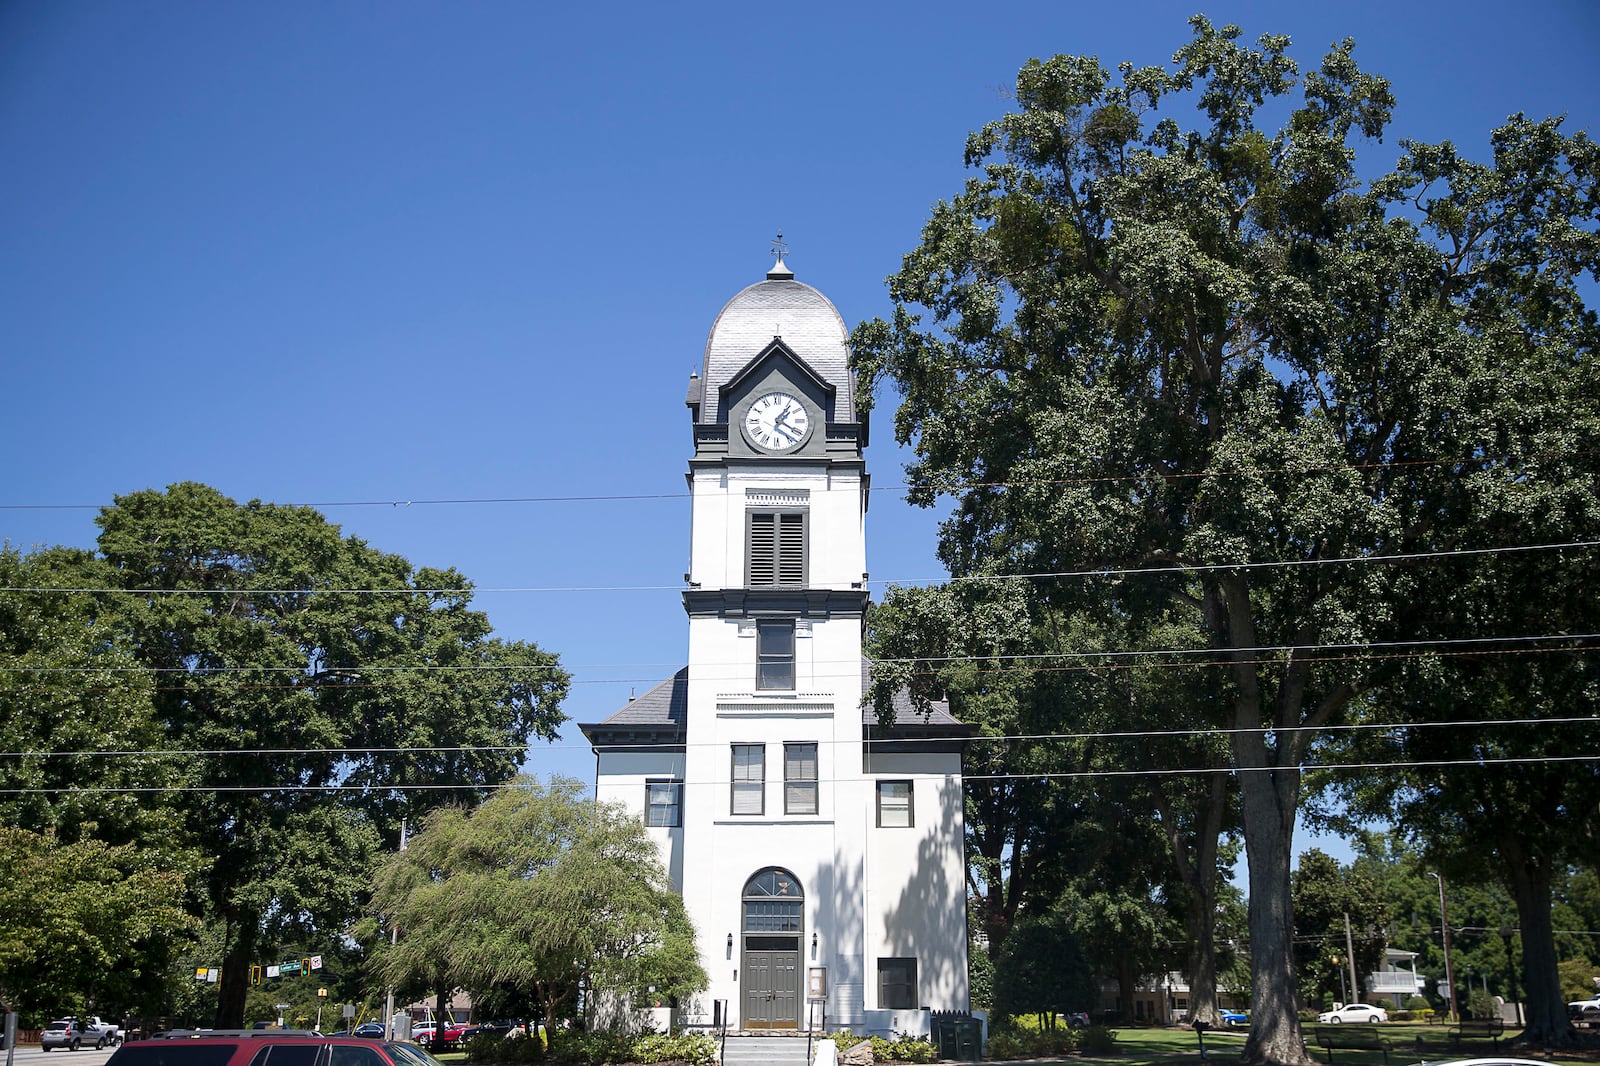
1585	1008
1353	1012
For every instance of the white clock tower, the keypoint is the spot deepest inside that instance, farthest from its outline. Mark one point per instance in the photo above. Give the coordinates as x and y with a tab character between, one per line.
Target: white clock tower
818	853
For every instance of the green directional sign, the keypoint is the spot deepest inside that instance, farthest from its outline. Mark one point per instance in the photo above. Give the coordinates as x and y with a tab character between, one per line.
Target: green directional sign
290	968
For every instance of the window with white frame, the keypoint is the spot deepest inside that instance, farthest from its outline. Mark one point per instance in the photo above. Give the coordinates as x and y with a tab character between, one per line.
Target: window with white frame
799	779
749	779
894	804
663	803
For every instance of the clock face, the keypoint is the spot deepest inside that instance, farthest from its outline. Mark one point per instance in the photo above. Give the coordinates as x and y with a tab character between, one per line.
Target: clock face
777	422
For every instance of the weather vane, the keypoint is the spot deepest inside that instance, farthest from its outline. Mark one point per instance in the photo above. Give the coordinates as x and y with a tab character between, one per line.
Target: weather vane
779	249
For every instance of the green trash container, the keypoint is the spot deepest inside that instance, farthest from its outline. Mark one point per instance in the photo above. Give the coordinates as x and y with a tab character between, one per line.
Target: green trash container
968	1039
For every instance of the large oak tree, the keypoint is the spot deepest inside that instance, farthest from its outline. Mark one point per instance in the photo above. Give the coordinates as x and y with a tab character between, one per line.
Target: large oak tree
1167	336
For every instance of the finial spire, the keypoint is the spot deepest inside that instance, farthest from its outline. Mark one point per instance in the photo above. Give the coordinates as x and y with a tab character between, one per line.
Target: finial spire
779	271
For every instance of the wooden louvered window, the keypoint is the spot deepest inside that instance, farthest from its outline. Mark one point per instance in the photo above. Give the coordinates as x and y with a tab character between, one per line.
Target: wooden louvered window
777	549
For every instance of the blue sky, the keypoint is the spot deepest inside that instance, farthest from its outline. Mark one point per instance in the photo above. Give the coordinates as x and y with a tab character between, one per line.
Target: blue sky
350	253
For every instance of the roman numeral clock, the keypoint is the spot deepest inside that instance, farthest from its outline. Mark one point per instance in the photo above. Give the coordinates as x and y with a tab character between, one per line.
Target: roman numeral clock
777	422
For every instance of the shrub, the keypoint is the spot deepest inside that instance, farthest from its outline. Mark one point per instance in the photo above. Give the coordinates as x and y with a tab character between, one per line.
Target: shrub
1097	1040
1418	1003
1015	1042
902	1049
511	1051
699	1049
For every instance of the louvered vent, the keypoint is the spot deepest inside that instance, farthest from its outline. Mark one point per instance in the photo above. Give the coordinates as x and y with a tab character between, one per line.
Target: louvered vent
777	549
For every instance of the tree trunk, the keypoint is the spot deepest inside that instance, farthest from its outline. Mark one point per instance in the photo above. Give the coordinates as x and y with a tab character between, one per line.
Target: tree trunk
1127	981
1200	912
1269	800
238	957
1528	878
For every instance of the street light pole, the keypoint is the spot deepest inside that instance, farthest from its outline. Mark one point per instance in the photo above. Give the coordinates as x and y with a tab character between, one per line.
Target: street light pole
1511	973
1444	924
394	938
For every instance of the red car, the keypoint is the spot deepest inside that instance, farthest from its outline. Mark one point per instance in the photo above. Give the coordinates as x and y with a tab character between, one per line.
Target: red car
435	1038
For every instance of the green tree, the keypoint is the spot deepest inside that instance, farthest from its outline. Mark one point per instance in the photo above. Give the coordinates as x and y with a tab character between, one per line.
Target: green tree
1207	365
1325	893
1042	969
77	921
538	889
305	683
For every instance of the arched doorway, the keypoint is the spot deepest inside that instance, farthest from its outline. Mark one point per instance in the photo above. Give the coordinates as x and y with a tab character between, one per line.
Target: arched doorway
771	928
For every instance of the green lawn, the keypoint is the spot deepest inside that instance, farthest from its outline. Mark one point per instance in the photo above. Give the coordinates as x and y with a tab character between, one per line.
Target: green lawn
1180	1047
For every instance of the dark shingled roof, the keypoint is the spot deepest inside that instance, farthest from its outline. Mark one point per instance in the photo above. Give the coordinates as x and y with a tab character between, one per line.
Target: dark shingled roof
662	712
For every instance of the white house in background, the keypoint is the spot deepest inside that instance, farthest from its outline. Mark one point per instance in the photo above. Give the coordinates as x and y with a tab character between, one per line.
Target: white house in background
1396	980
818	854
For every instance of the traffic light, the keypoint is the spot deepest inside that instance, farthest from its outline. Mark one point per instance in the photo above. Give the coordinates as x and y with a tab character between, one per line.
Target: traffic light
305	966
255	975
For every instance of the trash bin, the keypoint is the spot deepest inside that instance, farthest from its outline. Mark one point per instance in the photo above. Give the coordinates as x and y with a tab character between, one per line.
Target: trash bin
968	1039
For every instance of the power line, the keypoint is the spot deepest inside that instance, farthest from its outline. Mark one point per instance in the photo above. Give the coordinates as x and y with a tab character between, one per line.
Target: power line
345	672
900	488
663	746
947	777
1102	571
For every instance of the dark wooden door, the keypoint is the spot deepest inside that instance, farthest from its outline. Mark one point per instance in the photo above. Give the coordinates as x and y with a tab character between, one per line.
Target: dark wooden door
772	983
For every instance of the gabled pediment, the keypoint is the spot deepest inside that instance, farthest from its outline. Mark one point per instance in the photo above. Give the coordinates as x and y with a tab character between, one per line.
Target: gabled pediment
778	358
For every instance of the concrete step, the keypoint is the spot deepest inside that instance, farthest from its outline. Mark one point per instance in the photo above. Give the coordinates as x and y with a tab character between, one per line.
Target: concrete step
765	1051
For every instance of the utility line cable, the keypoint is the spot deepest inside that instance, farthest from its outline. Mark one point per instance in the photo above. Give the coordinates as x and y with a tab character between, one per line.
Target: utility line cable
1035	776
1121	734
902	488
852	665
1104	571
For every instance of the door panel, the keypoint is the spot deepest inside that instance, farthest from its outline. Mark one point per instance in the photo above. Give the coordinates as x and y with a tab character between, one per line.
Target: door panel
772	988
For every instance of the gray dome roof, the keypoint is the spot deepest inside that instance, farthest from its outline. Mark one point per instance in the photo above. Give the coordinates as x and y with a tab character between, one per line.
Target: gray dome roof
806	321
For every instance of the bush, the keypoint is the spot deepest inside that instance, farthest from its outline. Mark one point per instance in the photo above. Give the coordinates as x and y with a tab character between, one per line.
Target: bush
1481	1005
1097	1040
598	1049
511	1051
1418	1003
1015	1042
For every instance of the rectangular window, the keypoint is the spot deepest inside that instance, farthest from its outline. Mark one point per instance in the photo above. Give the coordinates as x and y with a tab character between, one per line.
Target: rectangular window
777	549
774	654
894	804
663	803
897	984
799	779
749	779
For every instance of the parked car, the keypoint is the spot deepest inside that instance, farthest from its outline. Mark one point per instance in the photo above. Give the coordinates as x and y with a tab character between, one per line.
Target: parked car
289	1047
489	1029
70	1033
370	1030
1234	1017
433	1036
1353	1012
1078	1019
1585	1008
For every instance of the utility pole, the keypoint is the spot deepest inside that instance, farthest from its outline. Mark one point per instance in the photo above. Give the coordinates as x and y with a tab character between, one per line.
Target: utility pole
1350	955
1444	922
394	938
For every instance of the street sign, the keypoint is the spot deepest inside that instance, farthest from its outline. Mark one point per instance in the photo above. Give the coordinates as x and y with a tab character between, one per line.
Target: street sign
349	1010
314	963
289	968
272	971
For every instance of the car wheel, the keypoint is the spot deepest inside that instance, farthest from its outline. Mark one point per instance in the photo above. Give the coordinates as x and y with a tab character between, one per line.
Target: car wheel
1334	1020
100	1044
75	1045
1373	1020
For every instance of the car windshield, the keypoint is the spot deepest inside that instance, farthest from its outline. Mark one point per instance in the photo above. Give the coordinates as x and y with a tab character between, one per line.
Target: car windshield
407	1055
59	1025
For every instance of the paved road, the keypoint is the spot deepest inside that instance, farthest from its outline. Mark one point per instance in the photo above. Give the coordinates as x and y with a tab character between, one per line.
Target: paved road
30	1054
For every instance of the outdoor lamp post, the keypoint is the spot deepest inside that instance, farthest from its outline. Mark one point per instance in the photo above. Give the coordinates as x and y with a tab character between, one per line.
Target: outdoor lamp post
1444	926
1511	973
